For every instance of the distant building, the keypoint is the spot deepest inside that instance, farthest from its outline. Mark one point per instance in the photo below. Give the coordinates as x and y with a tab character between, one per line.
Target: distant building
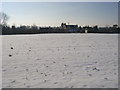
70	28
115	26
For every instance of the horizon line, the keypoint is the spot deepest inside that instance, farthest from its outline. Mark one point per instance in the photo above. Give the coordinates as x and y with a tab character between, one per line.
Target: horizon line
59	25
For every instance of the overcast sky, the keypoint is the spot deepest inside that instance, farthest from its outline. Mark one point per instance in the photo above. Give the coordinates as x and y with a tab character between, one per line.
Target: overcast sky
54	13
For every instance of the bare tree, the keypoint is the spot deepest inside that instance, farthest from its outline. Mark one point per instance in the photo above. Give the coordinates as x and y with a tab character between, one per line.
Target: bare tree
3	19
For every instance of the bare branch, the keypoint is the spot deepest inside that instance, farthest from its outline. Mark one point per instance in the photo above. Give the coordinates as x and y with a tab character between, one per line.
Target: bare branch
3	18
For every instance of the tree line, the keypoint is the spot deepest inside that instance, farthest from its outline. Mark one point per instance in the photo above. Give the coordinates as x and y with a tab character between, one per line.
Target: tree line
23	29
6	30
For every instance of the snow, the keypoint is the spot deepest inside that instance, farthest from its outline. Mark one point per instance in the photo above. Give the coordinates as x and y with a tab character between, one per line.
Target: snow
60	61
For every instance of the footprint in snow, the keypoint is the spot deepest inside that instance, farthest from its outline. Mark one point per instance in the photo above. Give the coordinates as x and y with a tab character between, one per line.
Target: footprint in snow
47	66
53	61
13	81
84	85
11	47
45	81
96	69
45	74
55	82
28	86
10	55
106	78
36	70
115	53
90	74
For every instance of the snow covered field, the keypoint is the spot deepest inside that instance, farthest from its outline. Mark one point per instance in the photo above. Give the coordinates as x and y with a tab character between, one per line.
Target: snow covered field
60	61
